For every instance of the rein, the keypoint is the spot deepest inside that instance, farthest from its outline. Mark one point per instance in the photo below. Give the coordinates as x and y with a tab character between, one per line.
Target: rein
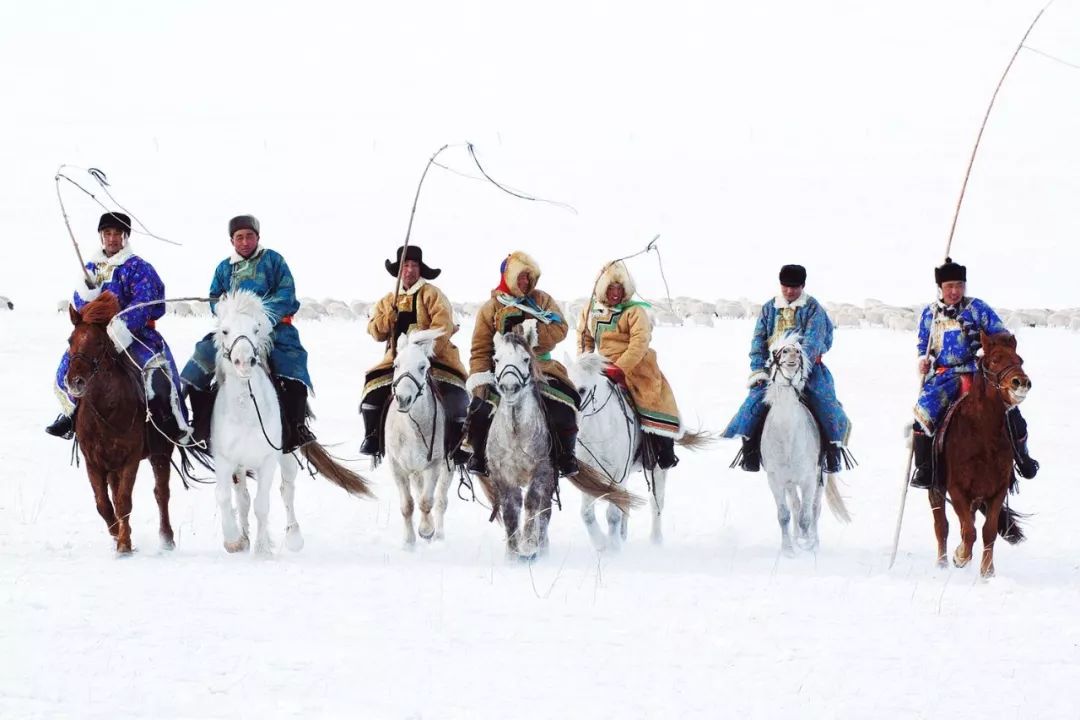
997	379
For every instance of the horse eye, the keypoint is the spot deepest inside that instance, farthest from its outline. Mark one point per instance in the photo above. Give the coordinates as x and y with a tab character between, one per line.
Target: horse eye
256	331
224	332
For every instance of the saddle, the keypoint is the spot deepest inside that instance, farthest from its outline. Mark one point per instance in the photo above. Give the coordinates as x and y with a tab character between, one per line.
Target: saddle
937	454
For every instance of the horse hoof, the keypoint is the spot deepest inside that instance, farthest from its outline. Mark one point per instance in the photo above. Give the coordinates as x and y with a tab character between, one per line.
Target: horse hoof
942	562
167	543
657	538
124	551
788	551
960	562
294	541
238	545
987	573
426	535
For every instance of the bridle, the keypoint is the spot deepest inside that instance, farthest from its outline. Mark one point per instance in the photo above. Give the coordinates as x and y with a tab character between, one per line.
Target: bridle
790	382
232	346
94	363
997	379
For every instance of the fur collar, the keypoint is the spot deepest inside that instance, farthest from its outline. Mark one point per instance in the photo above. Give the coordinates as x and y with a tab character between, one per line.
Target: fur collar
236	259
100	261
421	282
780	303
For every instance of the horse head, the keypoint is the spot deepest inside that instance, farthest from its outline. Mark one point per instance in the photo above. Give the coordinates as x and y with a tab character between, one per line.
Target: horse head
243	335
789	360
514	361
586	372
89	344
412	364
1003	368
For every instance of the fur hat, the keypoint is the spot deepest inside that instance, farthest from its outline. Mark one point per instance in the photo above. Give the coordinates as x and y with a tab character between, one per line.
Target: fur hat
614	273
116	220
793	276
949	272
413	253
516	263
244	222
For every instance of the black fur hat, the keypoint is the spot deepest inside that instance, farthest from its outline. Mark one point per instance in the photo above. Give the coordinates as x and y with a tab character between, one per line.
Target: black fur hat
949	272
244	222
793	276
413	253
117	220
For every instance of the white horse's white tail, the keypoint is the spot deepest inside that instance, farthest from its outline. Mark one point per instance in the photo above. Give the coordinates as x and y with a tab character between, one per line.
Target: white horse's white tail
835	500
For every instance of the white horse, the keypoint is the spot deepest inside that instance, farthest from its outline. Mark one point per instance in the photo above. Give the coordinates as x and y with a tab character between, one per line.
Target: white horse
246	432
519	448
415	437
610	439
791	449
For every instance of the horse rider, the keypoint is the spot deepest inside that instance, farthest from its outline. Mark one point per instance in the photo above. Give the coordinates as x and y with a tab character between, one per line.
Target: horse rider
419	306
137	286
792	311
949	338
264	272
619	329
514	301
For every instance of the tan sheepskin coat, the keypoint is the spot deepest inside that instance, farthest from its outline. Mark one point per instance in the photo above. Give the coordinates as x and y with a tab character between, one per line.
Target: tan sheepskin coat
433	310
494	317
623	337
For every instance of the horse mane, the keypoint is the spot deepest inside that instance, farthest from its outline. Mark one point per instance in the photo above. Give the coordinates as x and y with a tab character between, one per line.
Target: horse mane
791	339
101	309
518	340
245	304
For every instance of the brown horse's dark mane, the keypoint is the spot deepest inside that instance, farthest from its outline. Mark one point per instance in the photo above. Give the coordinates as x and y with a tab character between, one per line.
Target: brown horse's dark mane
101	309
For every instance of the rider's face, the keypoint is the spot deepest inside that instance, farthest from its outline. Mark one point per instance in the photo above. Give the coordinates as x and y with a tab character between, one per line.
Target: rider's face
953	291
523	282
112	241
410	273
791	294
615	294
244	242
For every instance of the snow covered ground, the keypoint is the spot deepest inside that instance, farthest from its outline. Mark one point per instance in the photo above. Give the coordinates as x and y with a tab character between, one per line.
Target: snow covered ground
712	624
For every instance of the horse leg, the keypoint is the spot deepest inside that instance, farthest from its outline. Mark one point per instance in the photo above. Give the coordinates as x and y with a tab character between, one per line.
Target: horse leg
243	507
99	484
122	501
783	514
808	514
404	483
511	513
426	492
294	540
223	493
659	487
160	465
614	522
990	532
529	543
965	512
588	516
264	479
941	526
543	518
442	499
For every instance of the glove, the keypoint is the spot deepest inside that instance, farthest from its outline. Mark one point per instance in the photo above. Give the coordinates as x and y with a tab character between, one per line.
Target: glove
119	333
758	378
615	374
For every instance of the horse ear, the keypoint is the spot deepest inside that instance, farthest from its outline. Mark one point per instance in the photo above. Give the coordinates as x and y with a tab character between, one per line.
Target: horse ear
74	314
530	333
985	340
402	339
1010	341
498	340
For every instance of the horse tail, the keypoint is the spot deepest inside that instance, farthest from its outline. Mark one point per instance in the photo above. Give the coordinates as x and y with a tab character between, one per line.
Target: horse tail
1009	524
492	494
590	481
336	473
697	440
186	469
836	500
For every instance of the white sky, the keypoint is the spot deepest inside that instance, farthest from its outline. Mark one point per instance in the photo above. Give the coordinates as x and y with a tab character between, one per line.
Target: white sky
747	134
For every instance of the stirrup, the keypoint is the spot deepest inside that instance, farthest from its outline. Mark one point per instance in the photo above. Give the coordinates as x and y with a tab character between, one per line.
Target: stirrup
62	427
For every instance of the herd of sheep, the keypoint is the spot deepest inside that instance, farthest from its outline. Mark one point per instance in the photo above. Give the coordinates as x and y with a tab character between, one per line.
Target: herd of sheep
680	311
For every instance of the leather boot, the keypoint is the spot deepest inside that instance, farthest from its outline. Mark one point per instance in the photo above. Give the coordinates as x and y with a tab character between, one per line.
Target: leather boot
922	445
372	415
161	410
476	429
295	432
1026	466
562	423
202	408
664	448
62	427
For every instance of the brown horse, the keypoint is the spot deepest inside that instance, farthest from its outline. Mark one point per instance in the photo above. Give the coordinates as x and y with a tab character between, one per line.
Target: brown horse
978	455
111	422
